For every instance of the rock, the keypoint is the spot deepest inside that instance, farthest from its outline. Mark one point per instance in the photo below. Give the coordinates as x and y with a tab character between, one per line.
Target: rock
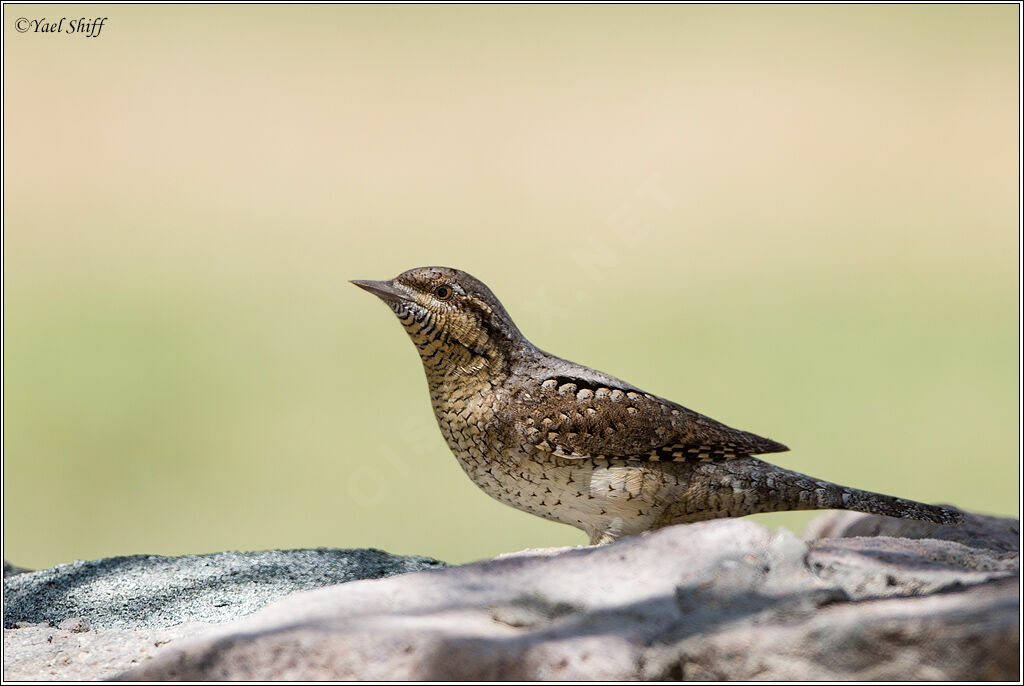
1001	534
715	600
153	591
75	625
11	570
43	652
969	635
90	620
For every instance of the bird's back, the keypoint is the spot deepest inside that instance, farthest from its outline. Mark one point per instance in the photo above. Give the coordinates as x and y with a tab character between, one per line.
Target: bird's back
569	410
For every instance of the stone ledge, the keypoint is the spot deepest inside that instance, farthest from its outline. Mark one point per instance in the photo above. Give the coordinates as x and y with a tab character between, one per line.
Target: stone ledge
725	599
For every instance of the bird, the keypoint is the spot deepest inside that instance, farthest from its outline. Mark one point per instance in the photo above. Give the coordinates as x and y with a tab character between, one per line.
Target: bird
578	446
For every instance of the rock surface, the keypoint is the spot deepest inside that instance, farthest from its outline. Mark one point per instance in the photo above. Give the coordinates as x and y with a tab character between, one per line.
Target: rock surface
724	599
11	570
154	591
94	619
41	652
992	533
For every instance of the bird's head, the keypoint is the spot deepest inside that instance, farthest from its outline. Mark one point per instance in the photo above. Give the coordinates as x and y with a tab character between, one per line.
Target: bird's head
441	307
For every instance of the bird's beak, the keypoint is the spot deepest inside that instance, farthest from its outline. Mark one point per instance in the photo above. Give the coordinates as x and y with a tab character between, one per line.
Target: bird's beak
384	290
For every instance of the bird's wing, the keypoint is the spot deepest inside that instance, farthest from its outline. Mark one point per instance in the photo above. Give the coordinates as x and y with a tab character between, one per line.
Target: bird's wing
574	417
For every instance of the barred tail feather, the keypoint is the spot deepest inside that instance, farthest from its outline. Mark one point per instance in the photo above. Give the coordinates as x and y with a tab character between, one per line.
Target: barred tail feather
877	503
747	485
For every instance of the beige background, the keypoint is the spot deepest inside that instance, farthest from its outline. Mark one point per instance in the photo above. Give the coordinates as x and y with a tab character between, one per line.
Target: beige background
802	221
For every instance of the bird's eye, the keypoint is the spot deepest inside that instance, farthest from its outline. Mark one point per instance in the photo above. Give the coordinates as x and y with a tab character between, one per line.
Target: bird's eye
443	292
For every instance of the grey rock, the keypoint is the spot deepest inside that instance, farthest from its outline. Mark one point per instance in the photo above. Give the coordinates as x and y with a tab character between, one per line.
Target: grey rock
75	625
1001	534
11	570
45	653
969	635
718	600
724	599
151	591
884	567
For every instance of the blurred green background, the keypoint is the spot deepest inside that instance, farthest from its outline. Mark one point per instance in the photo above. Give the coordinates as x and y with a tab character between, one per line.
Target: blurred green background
802	221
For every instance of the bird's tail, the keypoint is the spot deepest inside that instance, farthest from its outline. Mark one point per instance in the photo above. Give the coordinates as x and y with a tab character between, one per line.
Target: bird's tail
747	485
891	506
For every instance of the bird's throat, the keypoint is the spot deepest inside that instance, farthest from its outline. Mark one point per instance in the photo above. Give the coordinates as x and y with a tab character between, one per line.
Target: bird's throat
448	363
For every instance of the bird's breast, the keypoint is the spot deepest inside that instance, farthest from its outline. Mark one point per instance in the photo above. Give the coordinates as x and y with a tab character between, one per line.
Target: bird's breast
467	417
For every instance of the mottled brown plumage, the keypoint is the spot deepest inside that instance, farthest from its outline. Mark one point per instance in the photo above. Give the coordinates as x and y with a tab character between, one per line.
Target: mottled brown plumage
575	445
